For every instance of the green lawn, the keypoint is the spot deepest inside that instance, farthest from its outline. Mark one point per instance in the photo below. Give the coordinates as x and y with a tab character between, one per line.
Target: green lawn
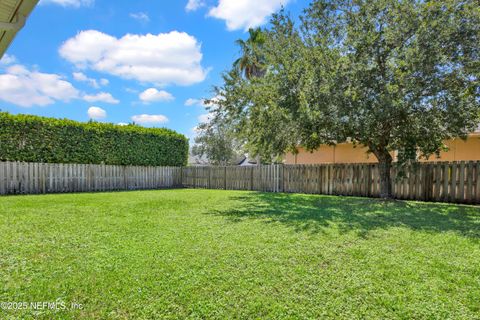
225	254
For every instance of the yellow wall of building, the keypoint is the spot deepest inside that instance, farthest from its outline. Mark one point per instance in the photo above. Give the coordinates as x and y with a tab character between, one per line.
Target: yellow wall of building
459	150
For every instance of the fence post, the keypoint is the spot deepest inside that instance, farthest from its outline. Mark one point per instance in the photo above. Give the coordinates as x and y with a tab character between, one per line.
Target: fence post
281	178
427	187
43	178
368	180
209	178
469	192
251	178
194	177
181	177
431	180
124	172
225	179
334	179
274	176
477	183
3	179
461	186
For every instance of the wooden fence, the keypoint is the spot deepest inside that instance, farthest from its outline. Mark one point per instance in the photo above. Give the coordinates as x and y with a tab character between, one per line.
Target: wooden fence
258	178
442	181
33	178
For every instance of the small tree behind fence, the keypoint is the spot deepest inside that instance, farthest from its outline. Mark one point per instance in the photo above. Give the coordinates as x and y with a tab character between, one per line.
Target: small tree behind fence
441	181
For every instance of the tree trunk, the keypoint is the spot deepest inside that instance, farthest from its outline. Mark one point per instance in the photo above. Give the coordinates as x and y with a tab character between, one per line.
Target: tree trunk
384	167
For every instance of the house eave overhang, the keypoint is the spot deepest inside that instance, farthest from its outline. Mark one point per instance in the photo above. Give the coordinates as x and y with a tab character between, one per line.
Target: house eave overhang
13	14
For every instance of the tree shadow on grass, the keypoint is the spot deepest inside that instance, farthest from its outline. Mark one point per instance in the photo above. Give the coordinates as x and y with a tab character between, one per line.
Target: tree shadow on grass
314	213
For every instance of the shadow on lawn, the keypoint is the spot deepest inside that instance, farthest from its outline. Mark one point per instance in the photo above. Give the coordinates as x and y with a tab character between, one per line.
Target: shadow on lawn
315	213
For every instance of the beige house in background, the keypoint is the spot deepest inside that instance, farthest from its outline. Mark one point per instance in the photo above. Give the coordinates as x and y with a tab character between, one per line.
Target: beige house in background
459	150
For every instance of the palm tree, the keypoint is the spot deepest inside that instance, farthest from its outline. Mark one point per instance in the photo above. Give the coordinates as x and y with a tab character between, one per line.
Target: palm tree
252	62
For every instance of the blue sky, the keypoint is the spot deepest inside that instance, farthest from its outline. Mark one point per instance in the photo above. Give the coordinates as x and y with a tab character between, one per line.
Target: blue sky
117	61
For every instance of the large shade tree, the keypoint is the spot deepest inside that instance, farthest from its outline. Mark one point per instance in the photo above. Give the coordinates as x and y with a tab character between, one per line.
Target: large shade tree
387	74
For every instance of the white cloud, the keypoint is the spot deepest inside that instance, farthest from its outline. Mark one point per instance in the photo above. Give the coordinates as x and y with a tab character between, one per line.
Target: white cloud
153	95
194	102
140	16
7	59
96	113
214	102
216	99
205	118
212	106
122	124
203	102
194	132
79	76
131	90
193	5
82	77
166	58
101	97
70	3
27	88
246	13
149	118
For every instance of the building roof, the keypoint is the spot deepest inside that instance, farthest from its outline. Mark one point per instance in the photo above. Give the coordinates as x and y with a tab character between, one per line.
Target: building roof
13	14
194	160
240	160
247	162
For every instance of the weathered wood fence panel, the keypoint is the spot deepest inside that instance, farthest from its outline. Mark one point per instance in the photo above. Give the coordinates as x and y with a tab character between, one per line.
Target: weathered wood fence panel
457	182
34	178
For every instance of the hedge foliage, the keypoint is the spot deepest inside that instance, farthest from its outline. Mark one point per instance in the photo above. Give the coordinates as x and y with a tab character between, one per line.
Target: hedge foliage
39	139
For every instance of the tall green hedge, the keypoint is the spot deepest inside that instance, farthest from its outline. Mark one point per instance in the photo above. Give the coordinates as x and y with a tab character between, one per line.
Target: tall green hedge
38	139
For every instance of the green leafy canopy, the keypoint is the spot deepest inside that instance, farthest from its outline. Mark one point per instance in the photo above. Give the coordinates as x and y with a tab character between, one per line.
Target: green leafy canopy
387	74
